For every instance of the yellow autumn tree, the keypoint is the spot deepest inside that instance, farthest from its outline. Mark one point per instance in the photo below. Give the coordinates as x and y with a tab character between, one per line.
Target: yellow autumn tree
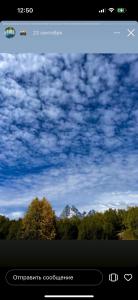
39	222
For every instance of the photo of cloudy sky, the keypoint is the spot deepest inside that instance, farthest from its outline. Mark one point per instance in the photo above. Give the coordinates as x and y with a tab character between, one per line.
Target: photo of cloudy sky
68	131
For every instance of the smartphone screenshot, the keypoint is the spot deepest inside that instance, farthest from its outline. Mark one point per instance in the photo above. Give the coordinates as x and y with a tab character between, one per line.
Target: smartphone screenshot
69	153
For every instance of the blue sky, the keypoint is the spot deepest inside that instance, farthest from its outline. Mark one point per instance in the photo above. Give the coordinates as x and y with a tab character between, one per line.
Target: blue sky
68	131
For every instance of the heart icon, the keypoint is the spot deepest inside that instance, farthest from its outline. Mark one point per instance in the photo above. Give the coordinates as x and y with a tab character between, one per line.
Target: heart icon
128	277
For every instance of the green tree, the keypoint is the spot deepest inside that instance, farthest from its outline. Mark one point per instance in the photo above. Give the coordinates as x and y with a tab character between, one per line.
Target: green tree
91	227
15	230
4	227
39	221
112	224
131	224
67	229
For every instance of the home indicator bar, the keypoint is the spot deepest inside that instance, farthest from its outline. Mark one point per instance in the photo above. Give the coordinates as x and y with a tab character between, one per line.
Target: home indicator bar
69	296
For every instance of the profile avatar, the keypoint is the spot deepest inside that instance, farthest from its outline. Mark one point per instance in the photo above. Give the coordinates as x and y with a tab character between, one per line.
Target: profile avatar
10	32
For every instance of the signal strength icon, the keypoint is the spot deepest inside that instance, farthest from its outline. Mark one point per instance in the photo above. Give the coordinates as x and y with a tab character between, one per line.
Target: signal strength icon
111	9
102	11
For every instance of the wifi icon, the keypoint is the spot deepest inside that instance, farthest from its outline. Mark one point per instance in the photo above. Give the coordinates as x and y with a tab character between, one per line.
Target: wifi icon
111	9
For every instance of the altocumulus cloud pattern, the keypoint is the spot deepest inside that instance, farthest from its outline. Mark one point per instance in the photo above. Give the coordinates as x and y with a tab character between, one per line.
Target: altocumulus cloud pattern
68	131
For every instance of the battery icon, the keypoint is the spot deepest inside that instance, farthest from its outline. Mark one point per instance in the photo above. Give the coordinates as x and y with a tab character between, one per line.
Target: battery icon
121	10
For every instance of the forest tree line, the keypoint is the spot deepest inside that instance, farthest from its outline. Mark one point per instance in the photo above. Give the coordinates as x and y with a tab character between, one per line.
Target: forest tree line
41	223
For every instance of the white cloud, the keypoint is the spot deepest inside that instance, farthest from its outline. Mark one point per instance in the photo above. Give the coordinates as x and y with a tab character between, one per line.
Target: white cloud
68	126
15	215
